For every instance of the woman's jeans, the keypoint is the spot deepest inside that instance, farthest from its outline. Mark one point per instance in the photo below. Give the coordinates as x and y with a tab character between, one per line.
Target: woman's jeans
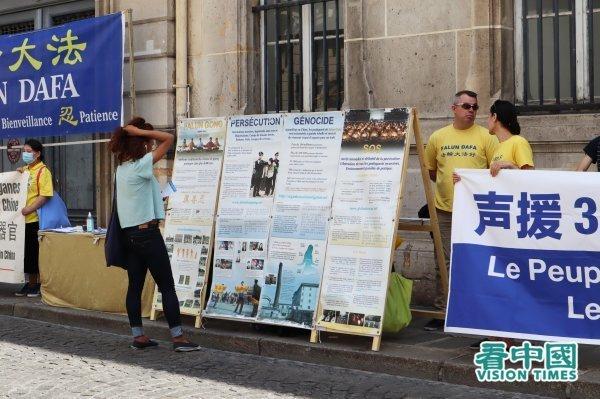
146	250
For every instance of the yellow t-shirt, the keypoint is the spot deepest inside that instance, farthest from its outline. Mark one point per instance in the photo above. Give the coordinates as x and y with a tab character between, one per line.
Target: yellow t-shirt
516	150
449	149
45	187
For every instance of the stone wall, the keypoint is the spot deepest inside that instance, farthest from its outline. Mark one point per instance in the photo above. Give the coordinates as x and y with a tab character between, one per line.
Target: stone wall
398	53
224	57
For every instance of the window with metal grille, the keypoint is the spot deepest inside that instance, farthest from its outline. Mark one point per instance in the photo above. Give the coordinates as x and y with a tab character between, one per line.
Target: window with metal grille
76	16
558	54
18	27
302	54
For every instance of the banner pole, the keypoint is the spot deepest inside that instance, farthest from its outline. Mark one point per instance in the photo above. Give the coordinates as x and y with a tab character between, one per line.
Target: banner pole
129	18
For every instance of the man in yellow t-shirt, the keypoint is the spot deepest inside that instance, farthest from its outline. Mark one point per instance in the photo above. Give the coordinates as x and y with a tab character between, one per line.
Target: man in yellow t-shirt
463	144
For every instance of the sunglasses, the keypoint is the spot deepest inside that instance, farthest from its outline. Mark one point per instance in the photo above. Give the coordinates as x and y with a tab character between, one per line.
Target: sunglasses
467	106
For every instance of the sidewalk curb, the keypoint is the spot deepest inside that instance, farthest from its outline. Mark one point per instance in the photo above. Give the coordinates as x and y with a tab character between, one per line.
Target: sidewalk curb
416	362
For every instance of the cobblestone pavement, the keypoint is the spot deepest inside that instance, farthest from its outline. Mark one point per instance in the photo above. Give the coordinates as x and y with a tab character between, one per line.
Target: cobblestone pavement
41	360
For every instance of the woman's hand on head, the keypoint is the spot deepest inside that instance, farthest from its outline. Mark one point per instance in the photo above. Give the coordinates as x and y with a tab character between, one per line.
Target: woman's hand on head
133	130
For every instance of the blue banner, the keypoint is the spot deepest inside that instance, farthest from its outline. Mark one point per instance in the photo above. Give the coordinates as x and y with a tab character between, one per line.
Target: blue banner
526	256
63	80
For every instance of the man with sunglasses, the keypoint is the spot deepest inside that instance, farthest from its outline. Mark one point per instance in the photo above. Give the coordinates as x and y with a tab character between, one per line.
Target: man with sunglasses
463	144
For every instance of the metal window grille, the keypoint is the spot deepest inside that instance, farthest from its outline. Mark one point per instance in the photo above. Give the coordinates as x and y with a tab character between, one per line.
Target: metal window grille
550	81
76	16
303	45
18	27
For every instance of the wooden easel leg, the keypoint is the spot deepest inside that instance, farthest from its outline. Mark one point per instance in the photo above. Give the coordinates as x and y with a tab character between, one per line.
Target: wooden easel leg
433	218
376	343
198	323
314	336
153	314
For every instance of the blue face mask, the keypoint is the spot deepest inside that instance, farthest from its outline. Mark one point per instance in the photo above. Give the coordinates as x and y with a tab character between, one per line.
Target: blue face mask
28	157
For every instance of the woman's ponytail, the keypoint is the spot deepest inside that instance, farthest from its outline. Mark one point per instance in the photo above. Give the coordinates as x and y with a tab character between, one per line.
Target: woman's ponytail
506	113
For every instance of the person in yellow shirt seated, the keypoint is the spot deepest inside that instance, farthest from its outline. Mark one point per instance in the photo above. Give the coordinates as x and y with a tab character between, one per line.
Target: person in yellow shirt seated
513	151
463	144
39	190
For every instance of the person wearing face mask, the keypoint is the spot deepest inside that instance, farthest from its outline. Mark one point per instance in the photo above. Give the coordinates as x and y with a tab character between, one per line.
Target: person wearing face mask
140	207
39	190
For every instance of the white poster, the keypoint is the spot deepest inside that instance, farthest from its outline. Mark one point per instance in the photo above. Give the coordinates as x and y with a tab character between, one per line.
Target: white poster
13	195
192	205
300	218
365	204
250	173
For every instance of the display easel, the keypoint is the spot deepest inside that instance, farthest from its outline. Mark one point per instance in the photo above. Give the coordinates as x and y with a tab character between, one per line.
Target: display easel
157	309
405	225
427	225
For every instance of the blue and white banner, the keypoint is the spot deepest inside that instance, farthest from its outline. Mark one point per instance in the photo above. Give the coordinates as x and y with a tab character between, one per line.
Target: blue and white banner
64	80
526	255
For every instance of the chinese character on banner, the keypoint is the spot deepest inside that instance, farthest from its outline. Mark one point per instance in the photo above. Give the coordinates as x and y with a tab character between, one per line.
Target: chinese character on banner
2	230
494	210
23	51
73	55
66	115
539	216
12	231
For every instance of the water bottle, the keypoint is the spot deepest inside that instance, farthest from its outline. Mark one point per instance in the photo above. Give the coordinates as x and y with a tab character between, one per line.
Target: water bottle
90	223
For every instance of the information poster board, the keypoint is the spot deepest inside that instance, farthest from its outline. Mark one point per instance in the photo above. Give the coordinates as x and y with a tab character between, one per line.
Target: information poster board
190	214
13	194
366	203
251	164
303	195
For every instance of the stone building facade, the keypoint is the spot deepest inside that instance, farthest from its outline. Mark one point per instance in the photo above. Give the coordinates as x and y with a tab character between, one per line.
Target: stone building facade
207	58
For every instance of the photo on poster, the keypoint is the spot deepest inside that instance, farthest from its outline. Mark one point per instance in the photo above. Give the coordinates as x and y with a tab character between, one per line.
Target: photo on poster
375	129
225	245
224	264
264	174
235	299
201	140
291	283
